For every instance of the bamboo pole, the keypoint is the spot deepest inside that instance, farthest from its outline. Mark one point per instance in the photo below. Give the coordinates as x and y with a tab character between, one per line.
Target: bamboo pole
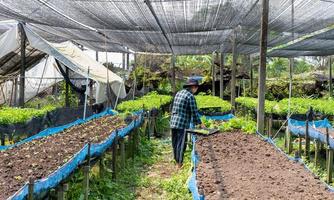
307	141
221	82
173	58
114	157
234	69
330	77
213	74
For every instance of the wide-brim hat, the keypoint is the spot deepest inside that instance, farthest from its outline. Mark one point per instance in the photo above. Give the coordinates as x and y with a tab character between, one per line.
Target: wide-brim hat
191	82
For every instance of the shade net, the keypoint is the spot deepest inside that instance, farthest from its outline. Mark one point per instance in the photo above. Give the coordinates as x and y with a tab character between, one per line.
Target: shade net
190	26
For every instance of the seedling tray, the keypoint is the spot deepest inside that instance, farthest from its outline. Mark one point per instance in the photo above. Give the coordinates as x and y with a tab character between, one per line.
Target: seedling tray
202	131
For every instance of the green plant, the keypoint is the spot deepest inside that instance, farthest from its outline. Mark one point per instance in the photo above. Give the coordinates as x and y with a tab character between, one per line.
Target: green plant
208	101
73	99
20	115
149	101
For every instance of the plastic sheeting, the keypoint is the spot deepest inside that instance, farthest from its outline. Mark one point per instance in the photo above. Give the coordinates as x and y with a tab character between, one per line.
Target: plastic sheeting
299	128
192	26
67	53
39	78
64	171
72	57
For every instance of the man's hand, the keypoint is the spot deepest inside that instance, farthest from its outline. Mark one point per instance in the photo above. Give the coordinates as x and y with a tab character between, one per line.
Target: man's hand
200	126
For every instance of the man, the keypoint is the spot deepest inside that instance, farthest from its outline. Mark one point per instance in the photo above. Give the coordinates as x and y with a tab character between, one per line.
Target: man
184	112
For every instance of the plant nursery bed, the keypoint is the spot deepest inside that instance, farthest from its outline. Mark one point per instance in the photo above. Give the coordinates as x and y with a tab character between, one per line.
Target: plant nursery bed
41	157
235	165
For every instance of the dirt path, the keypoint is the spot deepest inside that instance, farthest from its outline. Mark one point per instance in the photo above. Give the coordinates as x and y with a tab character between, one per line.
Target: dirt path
162	176
238	166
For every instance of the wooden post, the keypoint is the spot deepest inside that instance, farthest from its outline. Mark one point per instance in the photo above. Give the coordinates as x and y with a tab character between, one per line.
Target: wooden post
221	82
135	61
23	64
270	126
330	77
101	166
86	175
114	157
173	58
122	147
61	192
133	143
329	165
16	80
288	140
97	56
299	146
234	69
251	73
67	87
262	66
123	61
31	189
213	74
307	141
2	138
128	60
316	152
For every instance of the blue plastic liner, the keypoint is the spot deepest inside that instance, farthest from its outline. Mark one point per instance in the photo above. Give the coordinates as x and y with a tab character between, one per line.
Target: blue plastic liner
60	174
299	128
54	130
224	117
192	184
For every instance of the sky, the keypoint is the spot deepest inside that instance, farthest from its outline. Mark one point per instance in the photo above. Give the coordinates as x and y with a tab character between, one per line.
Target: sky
115	58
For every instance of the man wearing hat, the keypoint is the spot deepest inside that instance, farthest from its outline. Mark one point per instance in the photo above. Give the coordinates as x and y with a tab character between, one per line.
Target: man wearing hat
184	112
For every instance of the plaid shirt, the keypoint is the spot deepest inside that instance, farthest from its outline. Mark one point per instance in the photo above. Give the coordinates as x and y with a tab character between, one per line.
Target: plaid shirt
184	110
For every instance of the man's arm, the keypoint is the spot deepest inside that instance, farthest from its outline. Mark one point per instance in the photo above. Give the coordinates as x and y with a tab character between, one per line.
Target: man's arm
194	110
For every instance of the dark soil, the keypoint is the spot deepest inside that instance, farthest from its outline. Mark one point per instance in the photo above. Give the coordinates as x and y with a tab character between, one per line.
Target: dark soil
41	157
239	166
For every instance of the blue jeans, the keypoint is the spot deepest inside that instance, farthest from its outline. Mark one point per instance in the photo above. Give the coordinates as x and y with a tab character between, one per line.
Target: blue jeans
179	140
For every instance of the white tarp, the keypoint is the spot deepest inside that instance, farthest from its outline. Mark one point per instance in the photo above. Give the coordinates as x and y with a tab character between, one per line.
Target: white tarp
9	41
39	78
75	59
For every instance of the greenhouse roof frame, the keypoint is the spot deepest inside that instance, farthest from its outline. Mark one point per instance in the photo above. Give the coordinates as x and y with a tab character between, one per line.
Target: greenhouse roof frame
179	26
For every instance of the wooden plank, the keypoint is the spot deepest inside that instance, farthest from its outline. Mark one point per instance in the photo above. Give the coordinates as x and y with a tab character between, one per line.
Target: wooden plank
262	66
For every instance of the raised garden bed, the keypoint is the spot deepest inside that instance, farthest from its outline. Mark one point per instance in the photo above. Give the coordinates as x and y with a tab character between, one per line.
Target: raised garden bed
239	166
41	157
